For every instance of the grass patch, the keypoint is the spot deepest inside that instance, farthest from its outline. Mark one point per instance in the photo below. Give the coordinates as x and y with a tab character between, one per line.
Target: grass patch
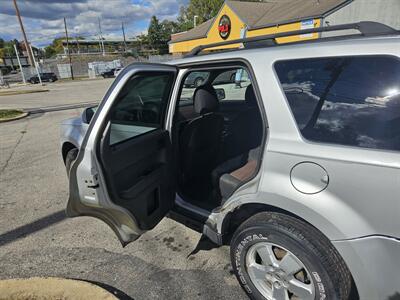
9	113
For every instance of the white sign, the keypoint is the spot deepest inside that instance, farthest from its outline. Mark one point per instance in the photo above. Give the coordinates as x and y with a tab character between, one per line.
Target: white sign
307	24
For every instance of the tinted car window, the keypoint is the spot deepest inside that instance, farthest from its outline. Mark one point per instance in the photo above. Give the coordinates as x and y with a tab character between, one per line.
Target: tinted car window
140	106
352	101
233	83
192	81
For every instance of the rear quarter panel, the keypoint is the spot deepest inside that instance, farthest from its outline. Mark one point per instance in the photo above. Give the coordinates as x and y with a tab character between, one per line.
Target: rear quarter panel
362	196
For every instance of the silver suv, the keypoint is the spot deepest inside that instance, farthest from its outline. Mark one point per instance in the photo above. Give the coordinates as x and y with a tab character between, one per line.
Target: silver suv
295	164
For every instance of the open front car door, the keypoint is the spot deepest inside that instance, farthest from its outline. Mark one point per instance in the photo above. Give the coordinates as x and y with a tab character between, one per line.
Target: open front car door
124	171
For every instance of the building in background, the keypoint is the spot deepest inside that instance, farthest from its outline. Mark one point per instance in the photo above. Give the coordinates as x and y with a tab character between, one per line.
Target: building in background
238	19
383	11
95	46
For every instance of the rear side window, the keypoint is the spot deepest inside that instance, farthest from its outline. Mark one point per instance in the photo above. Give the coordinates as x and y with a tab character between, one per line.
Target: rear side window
353	101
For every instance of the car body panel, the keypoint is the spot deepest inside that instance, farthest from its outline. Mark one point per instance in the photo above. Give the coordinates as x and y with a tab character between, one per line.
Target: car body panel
45	77
359	207
73	131
374	262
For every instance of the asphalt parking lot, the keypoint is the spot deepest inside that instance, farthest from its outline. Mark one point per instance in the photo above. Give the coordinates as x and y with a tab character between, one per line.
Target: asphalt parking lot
169	262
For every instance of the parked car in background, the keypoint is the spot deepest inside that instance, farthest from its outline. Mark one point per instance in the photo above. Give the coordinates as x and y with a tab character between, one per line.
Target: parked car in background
195	79
296	168
109	73
117	71
45	77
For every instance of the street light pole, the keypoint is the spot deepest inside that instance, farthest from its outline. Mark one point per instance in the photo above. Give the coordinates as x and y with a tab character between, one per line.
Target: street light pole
30	56
19	63
36	66
69	53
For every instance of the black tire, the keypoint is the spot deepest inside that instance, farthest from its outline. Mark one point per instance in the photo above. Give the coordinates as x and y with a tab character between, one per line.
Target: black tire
330	275
70	158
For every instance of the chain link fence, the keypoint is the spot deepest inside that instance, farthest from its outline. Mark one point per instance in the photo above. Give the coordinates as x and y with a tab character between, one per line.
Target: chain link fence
82	67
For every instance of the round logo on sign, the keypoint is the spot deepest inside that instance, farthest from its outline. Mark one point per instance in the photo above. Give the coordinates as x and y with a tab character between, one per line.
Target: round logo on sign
224	27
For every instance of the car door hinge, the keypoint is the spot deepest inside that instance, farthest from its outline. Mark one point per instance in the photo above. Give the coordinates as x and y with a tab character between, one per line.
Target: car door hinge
92	182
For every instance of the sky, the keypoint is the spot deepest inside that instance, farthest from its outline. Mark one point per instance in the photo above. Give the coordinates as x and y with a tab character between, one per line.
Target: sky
43	19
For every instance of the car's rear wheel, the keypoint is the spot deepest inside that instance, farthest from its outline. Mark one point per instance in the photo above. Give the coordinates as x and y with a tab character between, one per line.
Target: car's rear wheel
276	256
70	158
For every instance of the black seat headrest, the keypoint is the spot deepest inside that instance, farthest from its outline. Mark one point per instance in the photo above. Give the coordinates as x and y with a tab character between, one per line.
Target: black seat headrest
205	99
250	96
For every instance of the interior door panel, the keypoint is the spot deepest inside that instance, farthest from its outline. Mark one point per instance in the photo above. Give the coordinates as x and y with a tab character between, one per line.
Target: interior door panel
123	174
139	171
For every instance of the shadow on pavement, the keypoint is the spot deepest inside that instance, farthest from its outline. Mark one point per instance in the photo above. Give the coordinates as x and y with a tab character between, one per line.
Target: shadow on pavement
204	244
22	231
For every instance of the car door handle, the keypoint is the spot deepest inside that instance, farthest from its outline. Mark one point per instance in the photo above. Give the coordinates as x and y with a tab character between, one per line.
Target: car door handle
93	186
93	182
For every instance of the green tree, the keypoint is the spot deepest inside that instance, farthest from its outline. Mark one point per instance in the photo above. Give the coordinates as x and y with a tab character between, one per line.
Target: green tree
7	48
203	9
57	47
159	33
49	51
154	33
1	43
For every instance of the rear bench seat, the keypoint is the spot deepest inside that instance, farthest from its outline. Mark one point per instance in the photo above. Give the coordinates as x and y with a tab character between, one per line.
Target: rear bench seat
235	176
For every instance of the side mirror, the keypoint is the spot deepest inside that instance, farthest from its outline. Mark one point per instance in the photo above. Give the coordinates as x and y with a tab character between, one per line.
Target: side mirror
88	113
220	94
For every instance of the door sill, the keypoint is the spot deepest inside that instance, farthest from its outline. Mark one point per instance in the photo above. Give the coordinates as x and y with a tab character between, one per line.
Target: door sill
201	212
195	218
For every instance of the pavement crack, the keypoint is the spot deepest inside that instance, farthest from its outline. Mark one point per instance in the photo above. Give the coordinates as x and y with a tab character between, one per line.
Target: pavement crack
15	148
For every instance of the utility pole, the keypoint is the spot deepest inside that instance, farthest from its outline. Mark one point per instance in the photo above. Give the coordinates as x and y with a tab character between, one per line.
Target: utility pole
101	37
30	56
123	33
19	63
69	53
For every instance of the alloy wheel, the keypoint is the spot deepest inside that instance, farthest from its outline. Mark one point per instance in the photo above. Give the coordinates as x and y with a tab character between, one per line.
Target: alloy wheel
278	274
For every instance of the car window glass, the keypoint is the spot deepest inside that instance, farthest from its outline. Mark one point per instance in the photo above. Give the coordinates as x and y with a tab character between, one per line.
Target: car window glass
352	101
232	83
140	105
192	81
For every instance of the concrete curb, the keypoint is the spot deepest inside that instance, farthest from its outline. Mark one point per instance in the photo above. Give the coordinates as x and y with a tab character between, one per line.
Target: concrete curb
51	288
23	115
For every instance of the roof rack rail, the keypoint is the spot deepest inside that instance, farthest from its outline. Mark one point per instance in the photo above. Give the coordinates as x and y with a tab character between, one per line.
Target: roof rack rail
366	28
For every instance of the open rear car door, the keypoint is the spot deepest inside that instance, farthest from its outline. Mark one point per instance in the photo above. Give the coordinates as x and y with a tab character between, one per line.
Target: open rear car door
124	172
